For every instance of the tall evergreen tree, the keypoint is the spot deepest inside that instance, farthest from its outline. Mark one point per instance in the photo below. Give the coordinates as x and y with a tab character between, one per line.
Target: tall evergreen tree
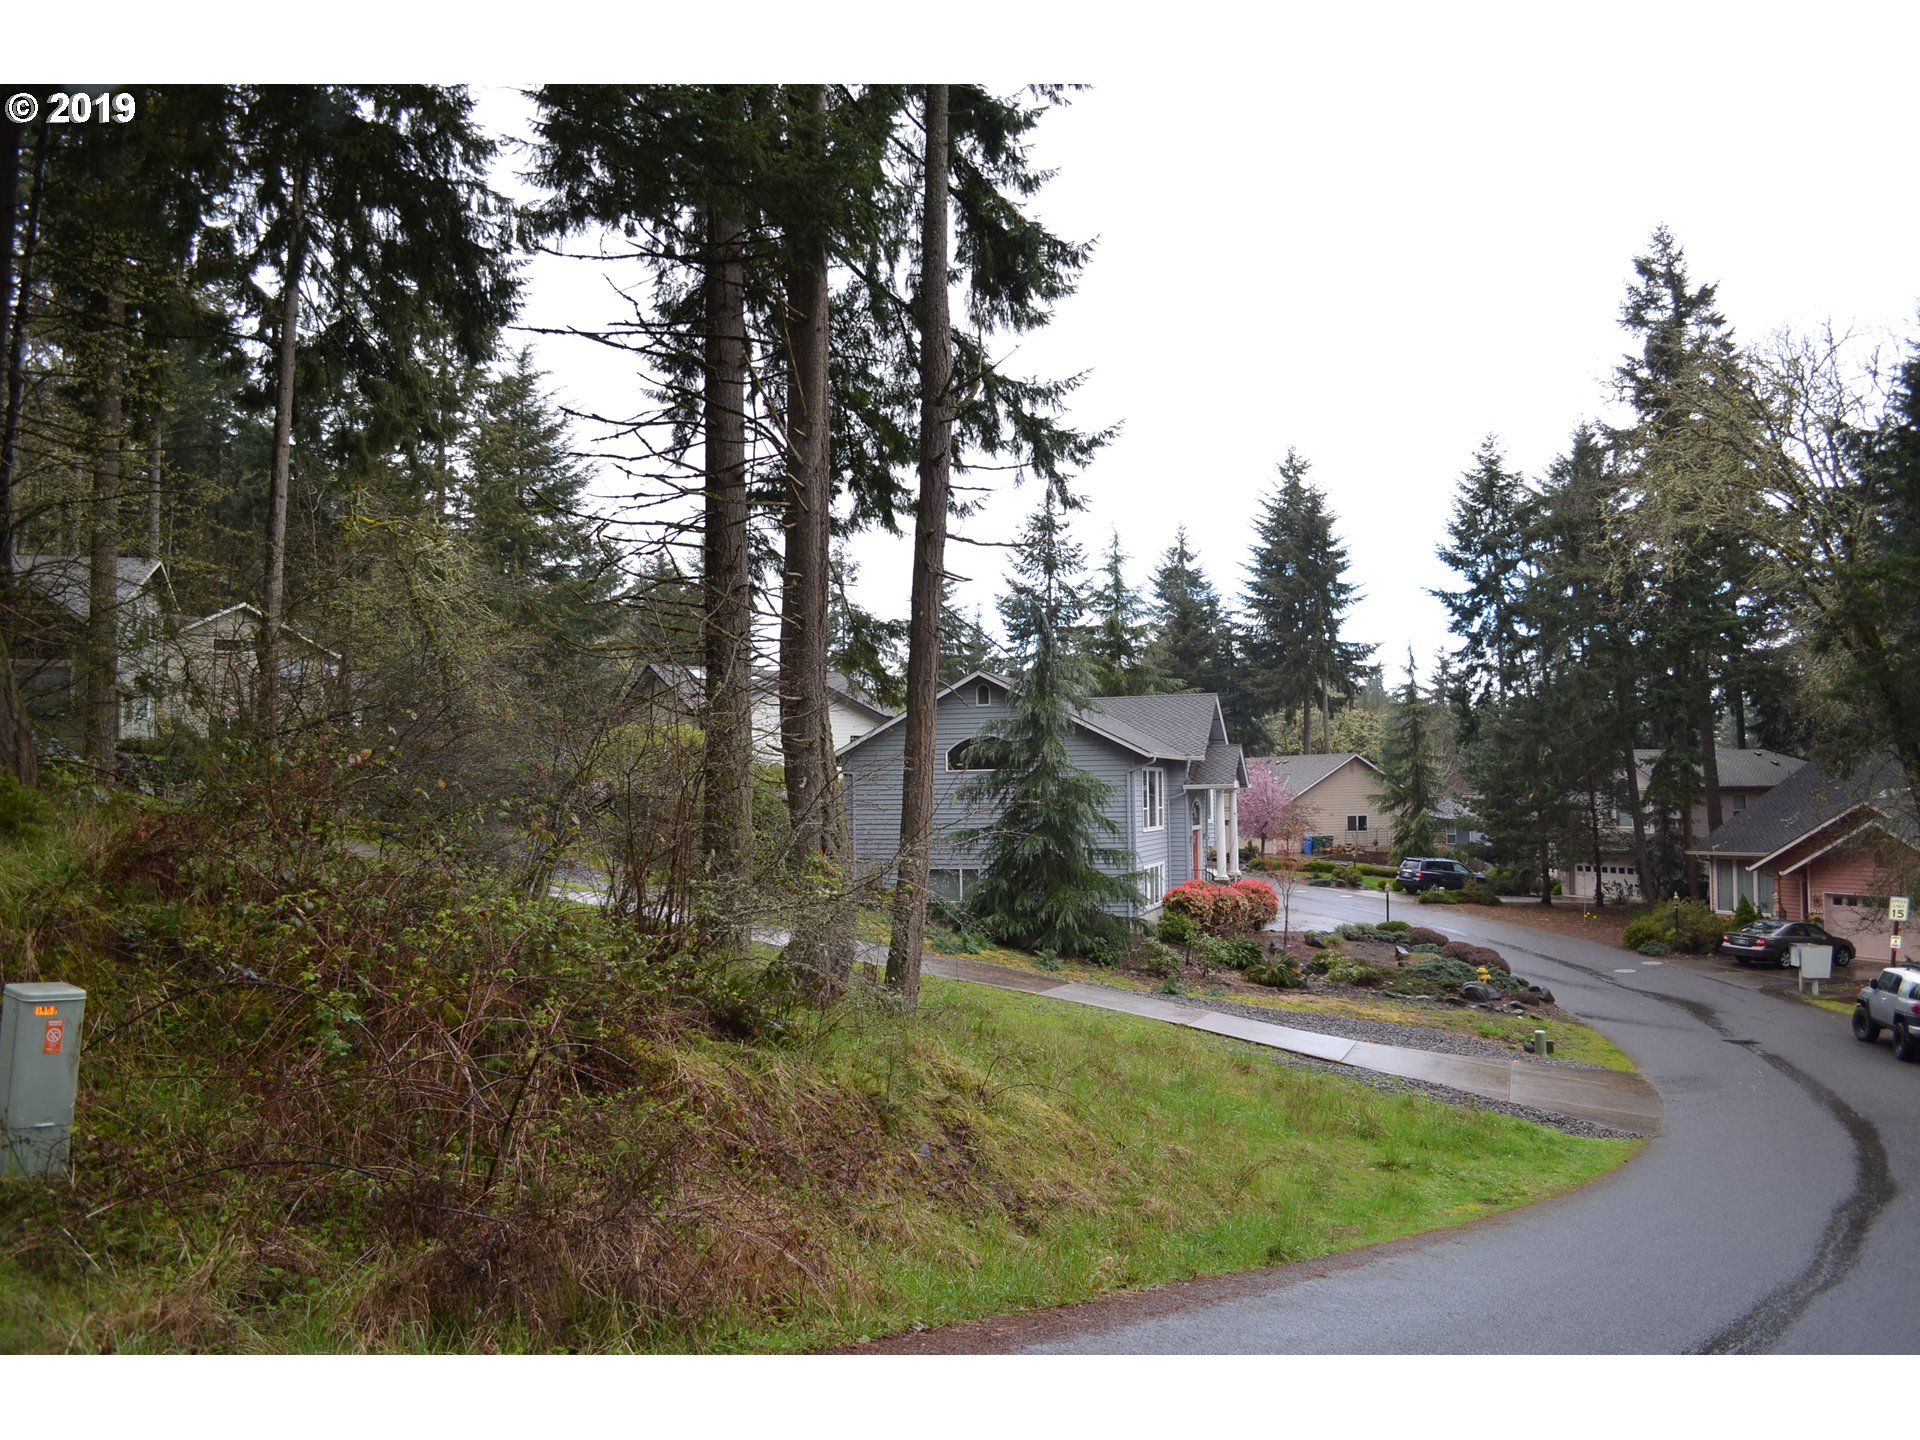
1049	858
1410	789
1114	640
1295	603
1484	547
1188	649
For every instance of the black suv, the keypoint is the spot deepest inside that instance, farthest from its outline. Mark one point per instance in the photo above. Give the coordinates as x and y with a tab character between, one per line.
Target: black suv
1419	873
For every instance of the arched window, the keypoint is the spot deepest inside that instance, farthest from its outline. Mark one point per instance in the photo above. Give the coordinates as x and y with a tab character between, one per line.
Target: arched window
983	694
960	757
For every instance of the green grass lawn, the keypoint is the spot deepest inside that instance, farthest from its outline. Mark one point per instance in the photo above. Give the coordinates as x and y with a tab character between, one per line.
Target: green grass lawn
1109	1153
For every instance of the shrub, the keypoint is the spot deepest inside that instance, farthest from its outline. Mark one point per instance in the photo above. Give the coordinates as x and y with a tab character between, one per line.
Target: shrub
1102	950
1653	947
1474	955
1218	953
1699	929
1424	950
1175	928
1513	880
1744	913
1156	958
1443	897
1478	892
1394	927
22	808
1214	909
1319	867
1651	926
1345	970
1278	972
1432	974
1047	959
1418	935
1263	904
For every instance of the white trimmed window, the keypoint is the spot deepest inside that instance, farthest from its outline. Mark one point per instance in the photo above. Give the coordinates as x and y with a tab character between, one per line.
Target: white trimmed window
1153	884
1356	822
960	757
955	886
1153	799
983	695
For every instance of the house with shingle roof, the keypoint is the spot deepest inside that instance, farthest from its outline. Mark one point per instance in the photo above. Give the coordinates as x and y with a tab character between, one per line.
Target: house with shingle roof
53	606
1821	847
1745	777
677	694
1337	793
1173	779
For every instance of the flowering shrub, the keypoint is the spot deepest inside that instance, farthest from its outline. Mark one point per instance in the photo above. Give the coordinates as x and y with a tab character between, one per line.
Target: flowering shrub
1263	902
1214	909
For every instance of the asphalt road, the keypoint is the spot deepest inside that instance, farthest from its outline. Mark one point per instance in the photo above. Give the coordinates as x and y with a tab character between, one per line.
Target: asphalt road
1778	1210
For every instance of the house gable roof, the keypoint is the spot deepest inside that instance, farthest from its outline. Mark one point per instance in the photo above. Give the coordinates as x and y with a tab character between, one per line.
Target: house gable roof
258	618
1302	772
1154	727
1738	769
1806	802
66	580
1222	765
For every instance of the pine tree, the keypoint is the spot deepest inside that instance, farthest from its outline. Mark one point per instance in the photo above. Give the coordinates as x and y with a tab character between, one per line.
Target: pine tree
1410	784
1484	547
1295	602
1188	649
1114	640
1043	885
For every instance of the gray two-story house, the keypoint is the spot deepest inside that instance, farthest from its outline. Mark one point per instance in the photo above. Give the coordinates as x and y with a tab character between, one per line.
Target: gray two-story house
1172	780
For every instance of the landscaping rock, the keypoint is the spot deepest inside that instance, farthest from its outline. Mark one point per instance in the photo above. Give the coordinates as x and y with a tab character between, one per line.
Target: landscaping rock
1474	990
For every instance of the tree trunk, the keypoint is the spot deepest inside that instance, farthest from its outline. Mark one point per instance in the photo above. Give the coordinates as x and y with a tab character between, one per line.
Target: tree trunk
806	731
726	822
1709	752
153	491
929	568
16	735
103	599
273	595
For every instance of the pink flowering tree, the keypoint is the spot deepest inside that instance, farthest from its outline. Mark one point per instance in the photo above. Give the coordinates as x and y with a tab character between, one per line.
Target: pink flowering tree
1268	809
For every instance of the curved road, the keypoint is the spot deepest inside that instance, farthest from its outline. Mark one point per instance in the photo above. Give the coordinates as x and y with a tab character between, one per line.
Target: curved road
1778	1210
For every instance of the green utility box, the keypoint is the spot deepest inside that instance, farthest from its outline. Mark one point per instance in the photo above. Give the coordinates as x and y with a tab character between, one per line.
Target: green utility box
39	1074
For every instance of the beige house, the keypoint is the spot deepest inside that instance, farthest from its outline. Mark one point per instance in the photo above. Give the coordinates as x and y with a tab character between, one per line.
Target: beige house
211	663
1337	792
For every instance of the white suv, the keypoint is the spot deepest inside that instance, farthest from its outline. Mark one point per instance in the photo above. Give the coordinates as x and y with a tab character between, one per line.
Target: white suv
1891	1002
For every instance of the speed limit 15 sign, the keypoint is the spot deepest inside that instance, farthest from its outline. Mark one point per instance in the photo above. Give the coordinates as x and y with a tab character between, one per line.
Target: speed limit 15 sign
1897	908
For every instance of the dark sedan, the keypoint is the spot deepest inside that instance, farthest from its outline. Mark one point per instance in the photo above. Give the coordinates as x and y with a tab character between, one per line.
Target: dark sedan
1773	940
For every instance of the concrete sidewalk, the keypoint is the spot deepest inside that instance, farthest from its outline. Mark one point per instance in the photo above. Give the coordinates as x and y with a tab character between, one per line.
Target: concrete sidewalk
1606	1097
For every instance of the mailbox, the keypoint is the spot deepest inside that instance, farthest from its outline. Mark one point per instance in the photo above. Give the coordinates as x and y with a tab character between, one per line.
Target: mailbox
39	1074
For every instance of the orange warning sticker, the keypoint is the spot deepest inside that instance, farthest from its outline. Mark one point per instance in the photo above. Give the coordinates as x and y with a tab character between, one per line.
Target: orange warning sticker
56	1037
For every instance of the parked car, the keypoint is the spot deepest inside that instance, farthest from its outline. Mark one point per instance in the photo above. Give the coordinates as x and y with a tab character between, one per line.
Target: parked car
1418	872
1891	1002
1774	940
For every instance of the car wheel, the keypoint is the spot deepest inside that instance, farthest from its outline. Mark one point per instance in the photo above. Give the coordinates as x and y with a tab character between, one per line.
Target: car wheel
1843	956
1905	1046
1864	1027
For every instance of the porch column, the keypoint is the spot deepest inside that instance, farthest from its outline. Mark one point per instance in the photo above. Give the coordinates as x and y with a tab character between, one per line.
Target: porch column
1233	831
1220	829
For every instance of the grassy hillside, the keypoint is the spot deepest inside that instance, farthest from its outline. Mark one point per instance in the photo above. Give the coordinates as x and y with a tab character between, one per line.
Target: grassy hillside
333	1102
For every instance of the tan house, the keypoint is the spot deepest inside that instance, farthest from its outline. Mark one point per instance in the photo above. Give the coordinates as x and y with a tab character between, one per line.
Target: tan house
1337	792
211	664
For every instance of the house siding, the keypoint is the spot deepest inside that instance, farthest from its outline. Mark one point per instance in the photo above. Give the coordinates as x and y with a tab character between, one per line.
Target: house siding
872	774
1349	791
1845	891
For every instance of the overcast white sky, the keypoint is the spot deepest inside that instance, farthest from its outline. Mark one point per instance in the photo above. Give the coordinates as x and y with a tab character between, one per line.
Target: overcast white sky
1375	233
1382	237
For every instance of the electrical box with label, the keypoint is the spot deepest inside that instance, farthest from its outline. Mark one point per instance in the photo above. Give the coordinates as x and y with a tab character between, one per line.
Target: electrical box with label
39	1074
